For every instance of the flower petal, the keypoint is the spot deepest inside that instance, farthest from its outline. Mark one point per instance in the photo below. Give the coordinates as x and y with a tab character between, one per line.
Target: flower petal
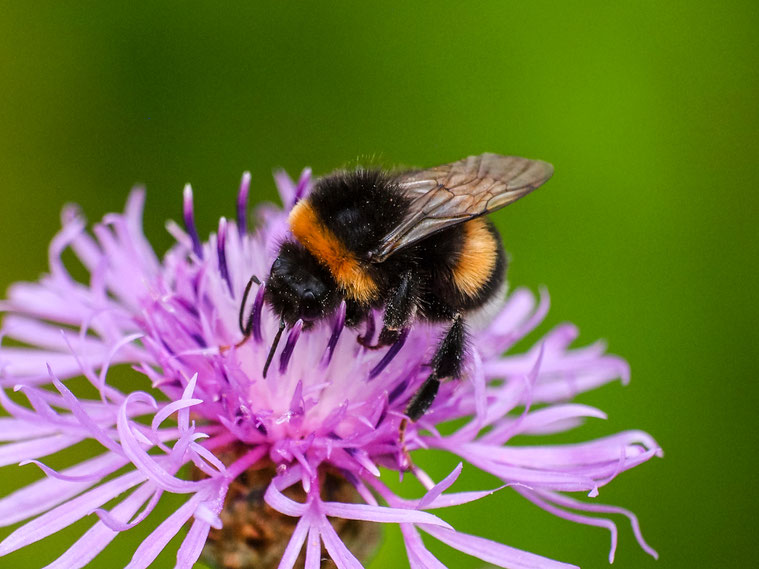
143	461
313	549
440	487
163	534
99	536
282	503
47	493
492	552
36	448
69	512
418	555
290	556
379	514
192	546
19	430
340	554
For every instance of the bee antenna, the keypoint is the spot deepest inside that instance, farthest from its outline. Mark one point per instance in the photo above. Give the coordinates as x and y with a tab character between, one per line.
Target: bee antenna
253	279
274	346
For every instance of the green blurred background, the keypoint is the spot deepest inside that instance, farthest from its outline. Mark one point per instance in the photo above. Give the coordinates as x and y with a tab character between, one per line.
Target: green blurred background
646	236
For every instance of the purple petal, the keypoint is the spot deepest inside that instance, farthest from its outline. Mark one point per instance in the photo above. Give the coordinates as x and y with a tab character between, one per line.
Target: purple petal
205	456
12	429
68	513
492	552
189	222
343	558
290	556
337	330
47	493
242	204
440	487
282	503
92	427
459	498
37	300
502	400
296	402
192	546
292	339
50	336
380	514
167	410
362	458
28	366
246	461
479	385
221	254
418	555
99	536
574	517
143	461
180	406
114	523
571	384
91	476
542	421
257	309
591	452
605	509
304	183
133	215
17	452
183	416
515	321
286	188
313	549
547	478
390	354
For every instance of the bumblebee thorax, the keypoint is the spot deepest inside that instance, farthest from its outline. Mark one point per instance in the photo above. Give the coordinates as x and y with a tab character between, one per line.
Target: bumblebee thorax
314	233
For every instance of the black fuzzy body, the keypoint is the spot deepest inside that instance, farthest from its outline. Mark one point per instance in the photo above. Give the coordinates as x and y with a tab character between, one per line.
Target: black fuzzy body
349	214
362	206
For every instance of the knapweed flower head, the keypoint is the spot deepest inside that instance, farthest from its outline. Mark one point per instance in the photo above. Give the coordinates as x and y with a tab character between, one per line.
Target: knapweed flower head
281	470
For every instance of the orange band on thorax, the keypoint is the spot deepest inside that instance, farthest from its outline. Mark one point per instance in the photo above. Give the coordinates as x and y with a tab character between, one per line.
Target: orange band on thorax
319	240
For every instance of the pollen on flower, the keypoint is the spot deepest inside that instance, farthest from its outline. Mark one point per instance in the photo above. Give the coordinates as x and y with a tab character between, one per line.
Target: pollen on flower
281	470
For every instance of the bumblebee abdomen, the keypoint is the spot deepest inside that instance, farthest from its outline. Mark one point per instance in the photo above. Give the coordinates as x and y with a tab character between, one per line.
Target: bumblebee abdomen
478	257
465	266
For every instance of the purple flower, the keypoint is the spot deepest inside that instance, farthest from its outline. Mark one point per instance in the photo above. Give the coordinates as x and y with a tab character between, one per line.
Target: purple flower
308	440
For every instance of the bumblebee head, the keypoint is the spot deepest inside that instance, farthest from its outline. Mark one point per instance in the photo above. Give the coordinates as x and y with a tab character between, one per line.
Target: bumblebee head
299	287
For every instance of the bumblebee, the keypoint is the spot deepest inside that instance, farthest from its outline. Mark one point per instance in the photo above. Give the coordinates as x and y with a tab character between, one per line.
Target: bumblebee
416	244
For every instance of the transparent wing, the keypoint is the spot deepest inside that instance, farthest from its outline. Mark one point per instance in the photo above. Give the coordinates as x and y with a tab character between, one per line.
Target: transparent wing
457	192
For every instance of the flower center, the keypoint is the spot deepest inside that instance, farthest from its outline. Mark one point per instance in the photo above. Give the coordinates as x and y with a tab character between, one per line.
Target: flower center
255	536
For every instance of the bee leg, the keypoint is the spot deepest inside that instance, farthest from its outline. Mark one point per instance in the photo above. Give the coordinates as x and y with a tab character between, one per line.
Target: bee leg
246	326
387	337
399	311
445	364
355	313
366	339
